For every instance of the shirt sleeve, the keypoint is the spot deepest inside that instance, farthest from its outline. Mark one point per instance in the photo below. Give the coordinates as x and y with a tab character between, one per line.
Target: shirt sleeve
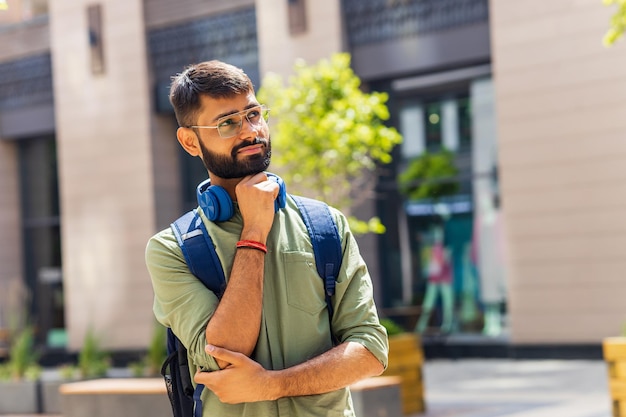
356	317
181	301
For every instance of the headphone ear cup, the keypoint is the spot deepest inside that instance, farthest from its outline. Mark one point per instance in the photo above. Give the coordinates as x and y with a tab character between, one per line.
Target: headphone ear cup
216	204
281	199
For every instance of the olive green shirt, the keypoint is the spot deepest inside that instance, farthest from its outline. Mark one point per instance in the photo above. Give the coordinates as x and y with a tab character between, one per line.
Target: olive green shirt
294	323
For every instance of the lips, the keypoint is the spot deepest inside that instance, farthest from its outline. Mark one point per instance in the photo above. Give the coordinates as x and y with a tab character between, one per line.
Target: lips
251	149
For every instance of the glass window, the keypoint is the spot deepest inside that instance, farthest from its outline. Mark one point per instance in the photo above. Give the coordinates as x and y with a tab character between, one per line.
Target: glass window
412	128
441	249
42	236
432	122
449	124
297	16
435	123
193	173
465	122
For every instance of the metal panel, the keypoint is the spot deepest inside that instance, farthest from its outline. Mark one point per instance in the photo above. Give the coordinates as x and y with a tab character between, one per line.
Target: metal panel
231	37
373	21
26	82
26	101
453	48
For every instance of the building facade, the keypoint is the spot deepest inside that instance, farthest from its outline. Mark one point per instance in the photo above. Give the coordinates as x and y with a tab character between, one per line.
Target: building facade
529	241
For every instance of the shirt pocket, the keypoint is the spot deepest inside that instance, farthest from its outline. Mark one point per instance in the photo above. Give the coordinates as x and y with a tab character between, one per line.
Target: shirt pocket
305	289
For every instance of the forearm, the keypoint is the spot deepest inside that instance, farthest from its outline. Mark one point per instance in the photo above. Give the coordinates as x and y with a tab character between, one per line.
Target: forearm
237	319
335	369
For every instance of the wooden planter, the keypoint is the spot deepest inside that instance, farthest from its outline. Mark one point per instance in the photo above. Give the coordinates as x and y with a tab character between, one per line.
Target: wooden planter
406	359
614	352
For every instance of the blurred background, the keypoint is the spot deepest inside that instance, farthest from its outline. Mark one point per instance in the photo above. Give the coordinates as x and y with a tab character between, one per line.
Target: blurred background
519	253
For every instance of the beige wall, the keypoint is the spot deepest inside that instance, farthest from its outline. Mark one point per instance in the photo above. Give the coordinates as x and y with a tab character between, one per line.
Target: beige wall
24	39
105	172
278	50
560	103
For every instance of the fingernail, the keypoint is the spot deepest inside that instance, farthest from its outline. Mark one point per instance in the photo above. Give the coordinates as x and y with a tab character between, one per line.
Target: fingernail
209	348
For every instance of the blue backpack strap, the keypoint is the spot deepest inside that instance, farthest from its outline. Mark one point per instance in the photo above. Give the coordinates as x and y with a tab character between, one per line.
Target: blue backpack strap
199	251
202	260
326	242
197	401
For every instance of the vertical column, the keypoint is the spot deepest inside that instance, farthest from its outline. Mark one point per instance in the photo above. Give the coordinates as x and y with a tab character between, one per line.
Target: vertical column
487	219
105	171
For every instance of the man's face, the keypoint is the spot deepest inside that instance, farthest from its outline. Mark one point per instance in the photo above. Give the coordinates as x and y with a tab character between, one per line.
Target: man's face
248	151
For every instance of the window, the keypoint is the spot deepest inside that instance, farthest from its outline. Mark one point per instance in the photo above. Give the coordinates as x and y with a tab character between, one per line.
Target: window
465	123
297	16
193	173
42	236
435	123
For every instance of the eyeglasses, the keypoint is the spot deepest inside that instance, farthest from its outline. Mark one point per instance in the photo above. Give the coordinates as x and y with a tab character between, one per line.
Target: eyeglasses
229	126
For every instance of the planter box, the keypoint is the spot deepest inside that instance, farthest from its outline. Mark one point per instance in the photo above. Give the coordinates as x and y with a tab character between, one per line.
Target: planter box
19	397
406	359
614	352
119	397
51	396
377	397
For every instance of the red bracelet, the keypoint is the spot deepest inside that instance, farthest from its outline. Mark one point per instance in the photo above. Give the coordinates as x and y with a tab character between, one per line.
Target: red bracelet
252	245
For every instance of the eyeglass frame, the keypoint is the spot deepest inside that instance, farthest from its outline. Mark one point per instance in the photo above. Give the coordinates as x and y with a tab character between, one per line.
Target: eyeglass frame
264	114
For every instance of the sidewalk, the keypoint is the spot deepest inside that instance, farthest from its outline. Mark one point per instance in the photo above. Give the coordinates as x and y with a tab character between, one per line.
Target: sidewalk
516	388
513	388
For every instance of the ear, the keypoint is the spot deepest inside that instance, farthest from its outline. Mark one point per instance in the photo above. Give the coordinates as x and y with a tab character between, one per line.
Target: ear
189	141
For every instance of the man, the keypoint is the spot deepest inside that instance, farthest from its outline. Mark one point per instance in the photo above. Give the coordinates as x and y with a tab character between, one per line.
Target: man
265	348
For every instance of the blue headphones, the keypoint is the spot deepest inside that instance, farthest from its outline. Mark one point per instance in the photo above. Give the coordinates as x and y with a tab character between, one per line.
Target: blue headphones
217	205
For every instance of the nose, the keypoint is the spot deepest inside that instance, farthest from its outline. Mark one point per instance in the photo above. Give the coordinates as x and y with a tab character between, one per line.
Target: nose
248	129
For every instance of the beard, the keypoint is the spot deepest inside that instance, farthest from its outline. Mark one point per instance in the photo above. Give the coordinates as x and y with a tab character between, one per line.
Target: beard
229	167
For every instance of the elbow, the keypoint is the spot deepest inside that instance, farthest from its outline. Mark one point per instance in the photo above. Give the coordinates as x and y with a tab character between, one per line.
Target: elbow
378	368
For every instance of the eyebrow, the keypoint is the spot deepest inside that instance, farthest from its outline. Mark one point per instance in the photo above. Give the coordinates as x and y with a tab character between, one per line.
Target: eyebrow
231	112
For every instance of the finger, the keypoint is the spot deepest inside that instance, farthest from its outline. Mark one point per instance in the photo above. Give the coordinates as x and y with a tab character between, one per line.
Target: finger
269	186
256	178
224	354
200	377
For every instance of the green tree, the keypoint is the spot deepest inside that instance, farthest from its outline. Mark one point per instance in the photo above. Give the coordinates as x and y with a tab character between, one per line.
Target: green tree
329	135
618	22
430	175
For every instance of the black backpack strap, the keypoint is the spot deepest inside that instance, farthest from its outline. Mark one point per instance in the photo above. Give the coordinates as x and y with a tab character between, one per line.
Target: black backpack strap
177	378
326	242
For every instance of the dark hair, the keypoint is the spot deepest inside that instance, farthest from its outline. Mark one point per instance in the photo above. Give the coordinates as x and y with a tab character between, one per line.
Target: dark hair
214	78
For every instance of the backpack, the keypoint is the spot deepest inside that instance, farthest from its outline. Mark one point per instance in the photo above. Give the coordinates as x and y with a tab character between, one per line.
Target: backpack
202	260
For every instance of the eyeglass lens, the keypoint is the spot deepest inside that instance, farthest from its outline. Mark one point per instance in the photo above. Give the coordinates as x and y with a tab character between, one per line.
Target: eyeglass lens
231	125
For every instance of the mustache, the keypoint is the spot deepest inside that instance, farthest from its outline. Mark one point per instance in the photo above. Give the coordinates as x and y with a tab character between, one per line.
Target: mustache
257	140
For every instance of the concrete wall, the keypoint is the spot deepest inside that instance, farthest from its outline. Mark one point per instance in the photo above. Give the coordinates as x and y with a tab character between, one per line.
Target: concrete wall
105	172
560	103
278	49
24	39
